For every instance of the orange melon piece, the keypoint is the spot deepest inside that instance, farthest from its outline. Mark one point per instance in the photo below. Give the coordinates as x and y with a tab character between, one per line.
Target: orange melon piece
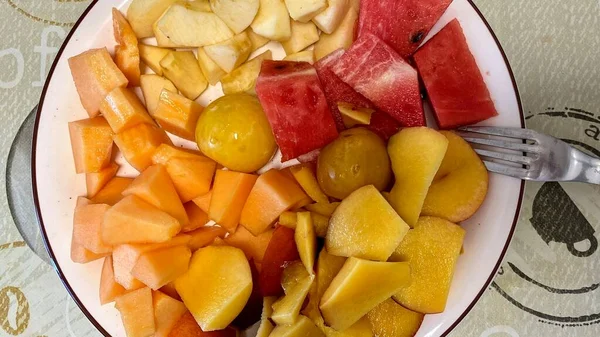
123	109
159	267
156	188
79	254
192	177
203	201
274	193
109	288
139	143
178	114
132	220
305	176
166	152
87	227
137	312
198	218
92	143
95	181
112	192
95	75
253	246
167	312
169	289
229	194
204	236
127	53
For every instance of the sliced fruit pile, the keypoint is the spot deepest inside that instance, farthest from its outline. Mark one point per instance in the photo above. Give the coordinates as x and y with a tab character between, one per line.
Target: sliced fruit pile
352	232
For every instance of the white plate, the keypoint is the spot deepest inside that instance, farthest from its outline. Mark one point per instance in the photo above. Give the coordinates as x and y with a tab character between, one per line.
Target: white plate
56	185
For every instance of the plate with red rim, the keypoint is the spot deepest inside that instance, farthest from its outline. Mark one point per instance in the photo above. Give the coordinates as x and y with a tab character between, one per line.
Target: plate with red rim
56	185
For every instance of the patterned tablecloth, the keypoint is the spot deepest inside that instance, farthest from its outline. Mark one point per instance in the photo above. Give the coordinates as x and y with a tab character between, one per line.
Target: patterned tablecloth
549	284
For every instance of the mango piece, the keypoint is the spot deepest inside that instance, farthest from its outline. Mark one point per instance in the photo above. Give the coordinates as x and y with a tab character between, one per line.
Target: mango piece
192	177
132	220
229	194
165	152
137	312
177	114
359	287
95	75
253	246
431	241
303	56
273	194
87	227
159	267
287	309
198	218
91	142
266	327
303	35
203	201
94	182
305	176
365	226
152	85
460	185
243	78
167	312
137	144
306	241
224	291
352	116
302	327
127	54
390	319
112	192
109	288
324	209
232	53
187	327
181	67
151	56
424	149
210	68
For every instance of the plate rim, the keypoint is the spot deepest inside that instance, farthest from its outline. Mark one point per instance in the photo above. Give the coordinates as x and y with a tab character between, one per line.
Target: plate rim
55	265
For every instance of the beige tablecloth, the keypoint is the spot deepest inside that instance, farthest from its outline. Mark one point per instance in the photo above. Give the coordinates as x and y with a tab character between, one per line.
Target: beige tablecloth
543	289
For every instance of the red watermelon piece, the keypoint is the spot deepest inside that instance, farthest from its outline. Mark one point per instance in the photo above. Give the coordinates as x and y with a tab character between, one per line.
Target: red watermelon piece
296	107
403	24
377	72
454	84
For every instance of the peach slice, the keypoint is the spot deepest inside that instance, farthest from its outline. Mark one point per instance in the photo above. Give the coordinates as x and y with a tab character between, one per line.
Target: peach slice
94	182
159	267
177	114
192	177
87	227
390	319
138	144
198	218
123	109
137	312
460	185
91	142
112	192
127	54
152	85
253	246
167	312
204	236
229	195
188	327
109	288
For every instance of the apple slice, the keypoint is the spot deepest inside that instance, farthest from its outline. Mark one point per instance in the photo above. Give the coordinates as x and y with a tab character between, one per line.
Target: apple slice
273	21
210	68
340	38
151	56
127	53
305	10
238	15
162	40
303	35
143	13
287	308
306	241
266	327
353	116
152	85
177	114
243	79
123	109
329	19
232	53
303	56
256	40
182	68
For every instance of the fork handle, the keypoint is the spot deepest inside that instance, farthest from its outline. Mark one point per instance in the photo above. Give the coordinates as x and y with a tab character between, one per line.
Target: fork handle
585	168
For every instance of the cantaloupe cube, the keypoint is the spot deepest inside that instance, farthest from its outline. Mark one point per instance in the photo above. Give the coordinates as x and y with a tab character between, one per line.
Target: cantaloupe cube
203	201
80	254
204	236
152	85
127	54
169	289
253	246
156	188
167	312
305	176
229	194
137	312
91	142
132	220
192	177
139	143
159	267
95	75
94	182
198	218
87	227
188	327
274	193
112	192
166	152
123	109
109	288
177	114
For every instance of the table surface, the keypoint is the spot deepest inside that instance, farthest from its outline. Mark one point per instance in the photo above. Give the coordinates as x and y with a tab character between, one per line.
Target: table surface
542	288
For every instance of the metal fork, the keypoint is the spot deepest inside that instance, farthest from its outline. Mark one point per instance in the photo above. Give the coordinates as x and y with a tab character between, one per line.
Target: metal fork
532	155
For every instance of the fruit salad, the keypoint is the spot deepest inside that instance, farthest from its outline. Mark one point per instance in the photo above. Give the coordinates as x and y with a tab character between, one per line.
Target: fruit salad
310	198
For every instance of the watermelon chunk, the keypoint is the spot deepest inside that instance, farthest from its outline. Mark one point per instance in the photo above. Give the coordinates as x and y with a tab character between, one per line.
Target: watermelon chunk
403	24
337	91
377	72
296	107
454	84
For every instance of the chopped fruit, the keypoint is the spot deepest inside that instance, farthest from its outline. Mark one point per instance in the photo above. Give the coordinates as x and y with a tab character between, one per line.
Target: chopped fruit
303	35
229	194
331	18
204	236
302	327
192	177
137	312
296	107
253	246
198	218
151	55
253	308
123	109
365	226
238	15
273	194
460	185
324	209
393	86
95	75
169	289
203	201
281	249
272	21
305	176
152	85
91	142
162	40
320	222
167	312
232	53
243	79
304	11
132	220
266	327
112	192
288	219
303	56
431	241
188	327
138	143
177	114
210	69
306	241
80	254
143	13
165	152
455	86
353	116
390	319
293	273
359	287
256	40
287	308
342	37
403	25
224	291
159	267
87	227
127	54
94	182
182	68
109	289
328	266
424	149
